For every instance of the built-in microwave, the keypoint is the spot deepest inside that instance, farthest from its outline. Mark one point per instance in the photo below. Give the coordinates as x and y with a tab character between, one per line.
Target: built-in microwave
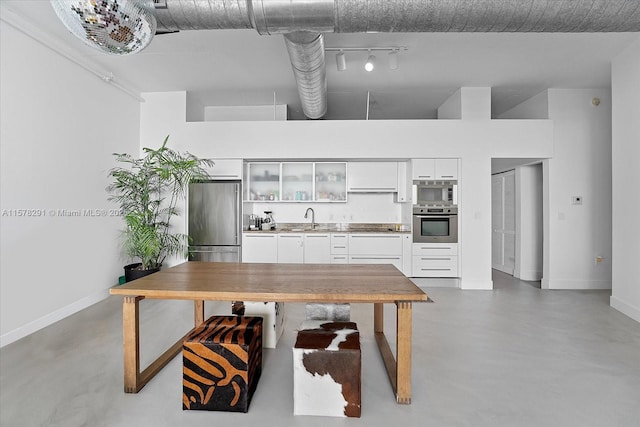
435	224
435	193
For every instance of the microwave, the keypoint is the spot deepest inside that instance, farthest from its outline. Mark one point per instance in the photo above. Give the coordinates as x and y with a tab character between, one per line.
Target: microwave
430	193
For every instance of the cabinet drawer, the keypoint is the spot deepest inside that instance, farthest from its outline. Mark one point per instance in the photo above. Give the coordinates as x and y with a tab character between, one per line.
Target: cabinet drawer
339	244
339	259
435	266
375	244
428	249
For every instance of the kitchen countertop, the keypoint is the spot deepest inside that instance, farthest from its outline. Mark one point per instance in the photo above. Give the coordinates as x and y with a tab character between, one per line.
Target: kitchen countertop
335	228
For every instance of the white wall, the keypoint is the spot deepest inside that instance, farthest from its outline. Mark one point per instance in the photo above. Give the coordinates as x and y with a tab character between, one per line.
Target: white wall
245	113
467	103
580	166
536	107
475	142
58	129
574	235
626	180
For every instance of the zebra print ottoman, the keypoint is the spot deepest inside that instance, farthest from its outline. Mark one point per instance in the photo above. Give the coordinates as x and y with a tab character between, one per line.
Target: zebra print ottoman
326	369
222	363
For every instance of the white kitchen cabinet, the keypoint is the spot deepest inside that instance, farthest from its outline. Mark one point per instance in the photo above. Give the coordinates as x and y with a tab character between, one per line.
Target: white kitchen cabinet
407	254
373	177
290	248
404	185
447	169
262	181
339	248
434	169
226	169
317	248
261	248
376	249
375	244
435	260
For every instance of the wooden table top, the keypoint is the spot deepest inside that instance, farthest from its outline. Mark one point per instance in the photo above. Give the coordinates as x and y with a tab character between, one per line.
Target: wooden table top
348	283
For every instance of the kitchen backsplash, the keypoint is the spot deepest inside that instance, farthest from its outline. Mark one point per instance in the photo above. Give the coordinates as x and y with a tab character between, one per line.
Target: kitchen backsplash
360	208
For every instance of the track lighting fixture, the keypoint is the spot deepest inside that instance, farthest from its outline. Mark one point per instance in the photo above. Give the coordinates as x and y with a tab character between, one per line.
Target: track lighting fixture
371	62
341	59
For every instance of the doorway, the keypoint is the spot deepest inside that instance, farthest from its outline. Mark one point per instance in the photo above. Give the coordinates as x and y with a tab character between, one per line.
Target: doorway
517	217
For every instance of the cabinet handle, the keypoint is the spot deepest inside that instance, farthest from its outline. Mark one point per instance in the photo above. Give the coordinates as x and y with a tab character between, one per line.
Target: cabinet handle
259	235
339	257
368	257
375	237
284	236
435	259
447	176
439	248
435	269
372	188
425	176
339	247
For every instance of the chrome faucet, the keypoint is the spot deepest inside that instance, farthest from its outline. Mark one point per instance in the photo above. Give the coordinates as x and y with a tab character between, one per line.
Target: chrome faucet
313	217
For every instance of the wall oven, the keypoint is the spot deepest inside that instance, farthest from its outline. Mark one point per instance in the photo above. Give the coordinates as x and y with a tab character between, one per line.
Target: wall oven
435	224
435	193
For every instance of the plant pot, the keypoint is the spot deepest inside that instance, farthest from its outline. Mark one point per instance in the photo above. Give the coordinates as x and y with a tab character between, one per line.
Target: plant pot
132	273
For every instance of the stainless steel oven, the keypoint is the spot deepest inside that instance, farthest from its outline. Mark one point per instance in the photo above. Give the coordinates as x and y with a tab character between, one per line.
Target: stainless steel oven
435	224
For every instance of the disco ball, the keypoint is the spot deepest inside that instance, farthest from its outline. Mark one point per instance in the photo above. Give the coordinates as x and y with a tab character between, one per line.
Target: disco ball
118	27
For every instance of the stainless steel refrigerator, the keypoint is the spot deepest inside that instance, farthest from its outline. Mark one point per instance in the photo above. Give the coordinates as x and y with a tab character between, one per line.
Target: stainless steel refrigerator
215	221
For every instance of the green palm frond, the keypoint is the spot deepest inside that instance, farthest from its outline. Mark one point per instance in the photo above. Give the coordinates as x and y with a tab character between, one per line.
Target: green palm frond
147	190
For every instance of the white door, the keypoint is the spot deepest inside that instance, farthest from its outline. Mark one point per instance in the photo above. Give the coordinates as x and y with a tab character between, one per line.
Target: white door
503	221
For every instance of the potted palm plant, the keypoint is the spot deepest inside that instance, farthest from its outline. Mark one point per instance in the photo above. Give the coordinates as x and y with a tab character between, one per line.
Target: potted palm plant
147	190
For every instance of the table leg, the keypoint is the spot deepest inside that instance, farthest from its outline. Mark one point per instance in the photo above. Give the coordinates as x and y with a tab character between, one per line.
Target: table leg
378	318
131	335
403	352
198	311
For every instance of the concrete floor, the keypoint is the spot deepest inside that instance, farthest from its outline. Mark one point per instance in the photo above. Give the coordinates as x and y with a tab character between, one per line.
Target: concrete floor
515	356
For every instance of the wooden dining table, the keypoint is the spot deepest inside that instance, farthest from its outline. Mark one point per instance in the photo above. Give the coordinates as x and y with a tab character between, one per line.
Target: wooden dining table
326	283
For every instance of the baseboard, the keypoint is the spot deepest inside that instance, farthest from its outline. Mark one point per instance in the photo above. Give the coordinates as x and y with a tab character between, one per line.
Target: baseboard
476	285
436	282
624	308
577	284
52	318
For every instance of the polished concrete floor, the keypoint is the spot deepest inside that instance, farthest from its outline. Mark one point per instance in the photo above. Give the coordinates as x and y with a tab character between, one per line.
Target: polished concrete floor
514	356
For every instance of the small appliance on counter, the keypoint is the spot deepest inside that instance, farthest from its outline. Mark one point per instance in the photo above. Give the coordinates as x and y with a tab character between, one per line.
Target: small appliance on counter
268	223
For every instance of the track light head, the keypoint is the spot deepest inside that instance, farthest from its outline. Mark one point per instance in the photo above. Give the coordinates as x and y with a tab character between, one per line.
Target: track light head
371	62
341	61
393	60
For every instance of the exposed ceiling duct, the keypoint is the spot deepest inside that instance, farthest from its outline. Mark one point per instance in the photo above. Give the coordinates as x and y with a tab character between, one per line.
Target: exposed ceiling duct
303	22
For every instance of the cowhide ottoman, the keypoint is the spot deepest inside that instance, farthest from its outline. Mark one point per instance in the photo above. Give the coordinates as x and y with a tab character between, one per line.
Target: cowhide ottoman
326	369
320	311
272	314
222	363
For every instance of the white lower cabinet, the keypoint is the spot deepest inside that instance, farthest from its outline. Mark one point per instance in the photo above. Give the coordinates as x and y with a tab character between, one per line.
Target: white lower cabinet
317	248
435	260
290	248
376	249
261	248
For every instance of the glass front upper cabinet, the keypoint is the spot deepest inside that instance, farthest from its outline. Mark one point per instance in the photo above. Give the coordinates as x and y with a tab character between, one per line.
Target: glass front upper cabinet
297	181
331	182
263	182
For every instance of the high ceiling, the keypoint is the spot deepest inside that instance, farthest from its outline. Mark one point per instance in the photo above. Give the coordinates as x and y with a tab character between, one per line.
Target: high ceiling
241	67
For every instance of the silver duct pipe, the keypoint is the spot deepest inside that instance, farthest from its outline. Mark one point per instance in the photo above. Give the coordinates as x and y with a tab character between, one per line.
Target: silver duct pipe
302	21
306	51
